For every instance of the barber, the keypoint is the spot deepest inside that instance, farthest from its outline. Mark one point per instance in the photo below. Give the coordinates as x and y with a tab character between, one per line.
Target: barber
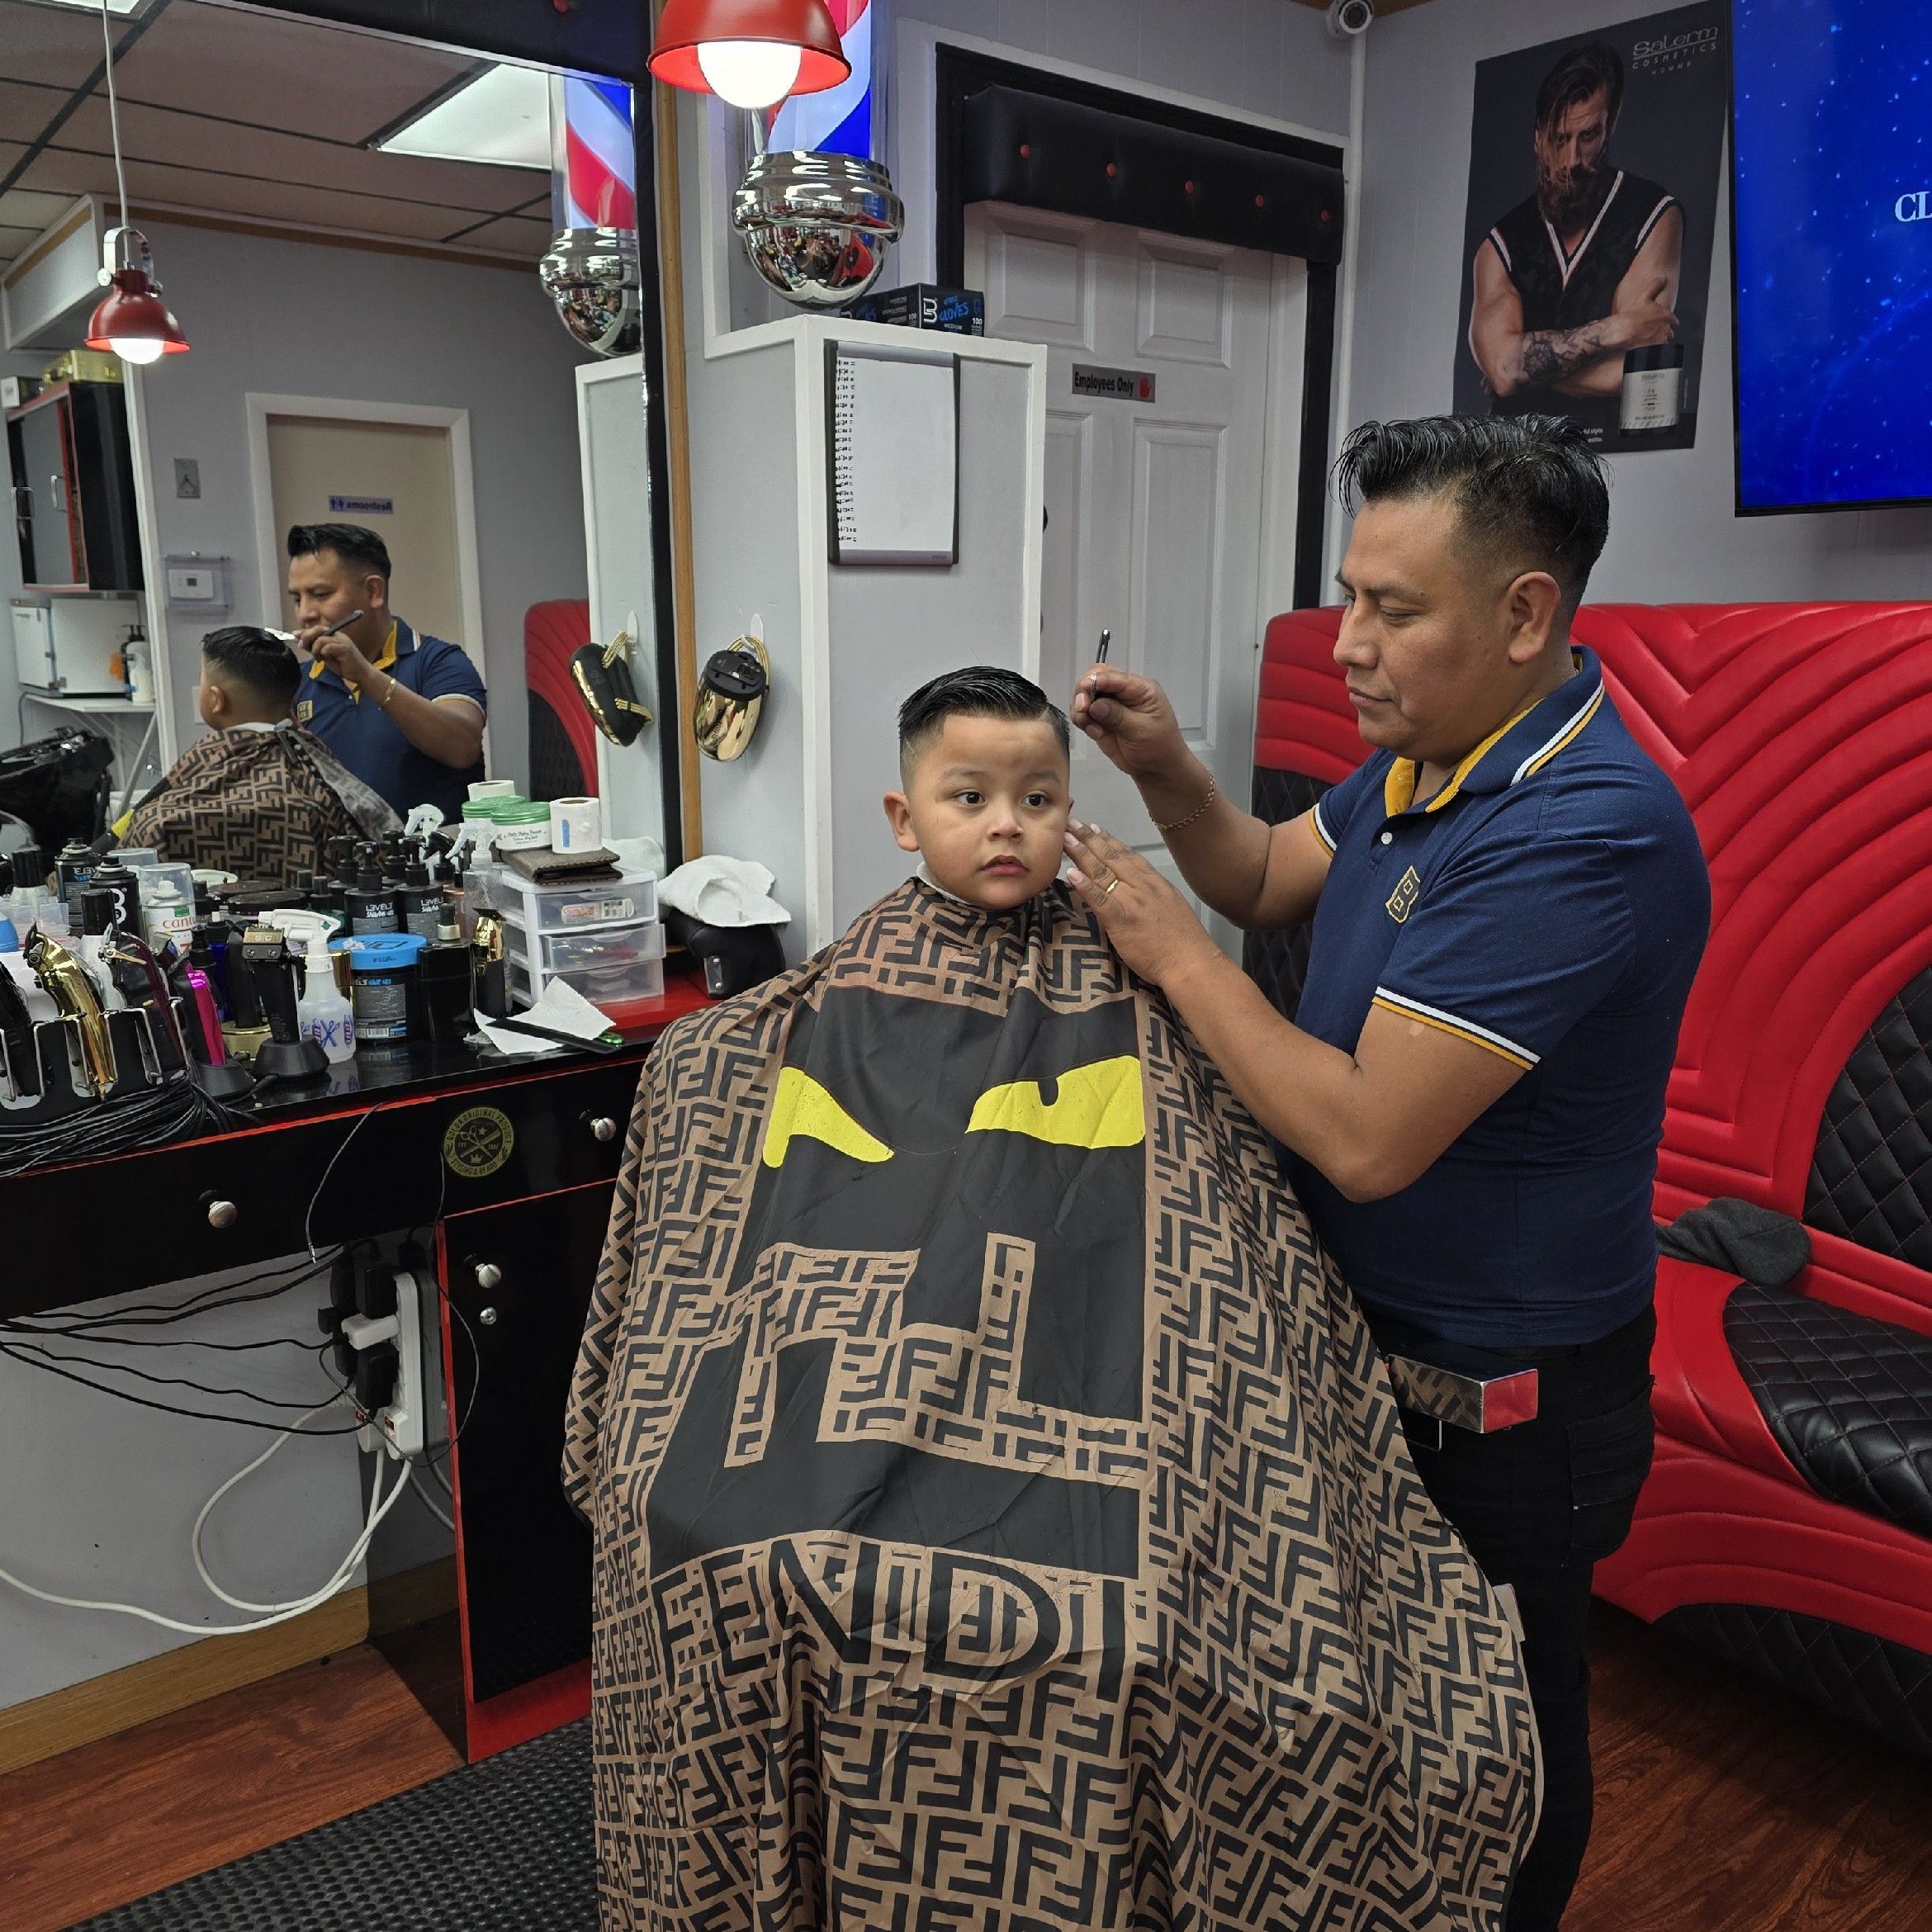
1508	903
404	712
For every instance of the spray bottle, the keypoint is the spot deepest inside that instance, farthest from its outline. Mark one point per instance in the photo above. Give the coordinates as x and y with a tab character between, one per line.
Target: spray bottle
322	1015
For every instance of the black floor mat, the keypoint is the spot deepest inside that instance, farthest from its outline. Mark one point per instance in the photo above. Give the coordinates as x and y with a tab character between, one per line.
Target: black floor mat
504	1844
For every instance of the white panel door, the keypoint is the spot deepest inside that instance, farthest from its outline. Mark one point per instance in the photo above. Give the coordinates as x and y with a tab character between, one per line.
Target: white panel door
1154	506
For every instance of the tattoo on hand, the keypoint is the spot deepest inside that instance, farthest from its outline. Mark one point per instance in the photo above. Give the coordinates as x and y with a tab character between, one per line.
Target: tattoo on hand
1550	355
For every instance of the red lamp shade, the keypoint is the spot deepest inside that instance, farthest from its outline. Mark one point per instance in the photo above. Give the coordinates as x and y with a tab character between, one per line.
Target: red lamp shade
132	312
808	25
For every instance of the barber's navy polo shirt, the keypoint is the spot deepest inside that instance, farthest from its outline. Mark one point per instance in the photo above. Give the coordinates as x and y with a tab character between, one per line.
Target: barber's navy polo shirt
1549	905
371	744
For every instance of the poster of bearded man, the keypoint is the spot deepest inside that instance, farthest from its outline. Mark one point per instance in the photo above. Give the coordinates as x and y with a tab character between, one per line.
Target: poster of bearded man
1593	196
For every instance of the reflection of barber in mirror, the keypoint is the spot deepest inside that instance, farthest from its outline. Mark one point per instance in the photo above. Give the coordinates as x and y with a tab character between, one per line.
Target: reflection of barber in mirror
403	711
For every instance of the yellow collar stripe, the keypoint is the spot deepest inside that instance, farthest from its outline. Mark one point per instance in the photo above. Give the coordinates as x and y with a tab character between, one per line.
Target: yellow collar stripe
1569	735
384	659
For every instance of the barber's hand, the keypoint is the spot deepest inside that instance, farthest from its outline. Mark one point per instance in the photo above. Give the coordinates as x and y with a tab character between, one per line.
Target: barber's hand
343	657
1149	925
1131	721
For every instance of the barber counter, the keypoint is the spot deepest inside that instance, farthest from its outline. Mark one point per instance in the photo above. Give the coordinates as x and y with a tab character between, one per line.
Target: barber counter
502	1171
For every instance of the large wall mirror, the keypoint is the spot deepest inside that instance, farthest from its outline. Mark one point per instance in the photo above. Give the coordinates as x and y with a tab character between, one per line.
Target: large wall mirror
349	225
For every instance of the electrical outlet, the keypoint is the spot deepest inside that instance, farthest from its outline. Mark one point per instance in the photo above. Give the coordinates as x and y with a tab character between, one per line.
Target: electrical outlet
402	1421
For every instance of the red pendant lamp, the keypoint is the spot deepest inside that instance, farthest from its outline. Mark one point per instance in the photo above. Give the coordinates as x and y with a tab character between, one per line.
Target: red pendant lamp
132	321
751	52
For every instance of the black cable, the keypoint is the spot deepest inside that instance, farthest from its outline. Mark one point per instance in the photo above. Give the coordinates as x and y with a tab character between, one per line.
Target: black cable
111	1127
247	1421
160	1314
117	1368
23	1335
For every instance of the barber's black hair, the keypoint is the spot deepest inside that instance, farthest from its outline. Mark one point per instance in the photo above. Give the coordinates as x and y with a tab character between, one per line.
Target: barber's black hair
261	666
1529	492
980	690
1578	74
356	545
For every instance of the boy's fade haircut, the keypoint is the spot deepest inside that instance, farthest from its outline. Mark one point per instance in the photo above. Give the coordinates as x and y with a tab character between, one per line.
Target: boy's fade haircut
980	690
261	668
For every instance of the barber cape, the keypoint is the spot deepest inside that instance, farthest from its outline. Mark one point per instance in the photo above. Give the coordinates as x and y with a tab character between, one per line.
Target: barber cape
1002	1515
257	803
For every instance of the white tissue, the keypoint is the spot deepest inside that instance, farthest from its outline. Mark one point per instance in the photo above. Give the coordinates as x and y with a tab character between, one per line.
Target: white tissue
716	891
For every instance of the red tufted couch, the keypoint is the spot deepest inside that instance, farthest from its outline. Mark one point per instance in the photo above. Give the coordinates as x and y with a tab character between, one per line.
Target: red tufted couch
1787	1520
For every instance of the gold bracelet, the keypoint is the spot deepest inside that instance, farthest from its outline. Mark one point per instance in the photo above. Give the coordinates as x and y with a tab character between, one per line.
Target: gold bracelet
388	694
1175	825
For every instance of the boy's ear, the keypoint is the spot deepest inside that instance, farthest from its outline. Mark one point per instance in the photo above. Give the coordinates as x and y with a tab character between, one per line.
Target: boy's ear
217	699
899	817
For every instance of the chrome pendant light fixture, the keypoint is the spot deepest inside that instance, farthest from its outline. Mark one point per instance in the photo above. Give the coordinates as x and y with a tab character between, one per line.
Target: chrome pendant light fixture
816	227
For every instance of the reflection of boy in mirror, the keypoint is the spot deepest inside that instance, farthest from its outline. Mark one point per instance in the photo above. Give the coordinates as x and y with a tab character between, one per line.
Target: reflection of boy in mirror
983	760
403	711
1584	268
257	795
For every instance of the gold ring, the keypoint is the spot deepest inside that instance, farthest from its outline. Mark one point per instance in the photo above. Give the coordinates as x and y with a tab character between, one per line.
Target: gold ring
1107	890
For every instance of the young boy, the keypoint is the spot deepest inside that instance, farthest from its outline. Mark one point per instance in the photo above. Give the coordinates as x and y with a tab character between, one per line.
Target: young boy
257	796
983	762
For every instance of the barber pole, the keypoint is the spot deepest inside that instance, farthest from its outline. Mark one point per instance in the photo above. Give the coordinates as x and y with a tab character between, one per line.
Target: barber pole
838	121
595	153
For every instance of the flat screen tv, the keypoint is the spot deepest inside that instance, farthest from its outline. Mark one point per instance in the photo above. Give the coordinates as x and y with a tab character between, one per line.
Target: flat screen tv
1831	187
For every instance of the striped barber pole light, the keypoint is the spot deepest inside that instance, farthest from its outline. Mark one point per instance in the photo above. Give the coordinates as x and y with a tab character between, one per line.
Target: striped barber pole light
598	162
838	120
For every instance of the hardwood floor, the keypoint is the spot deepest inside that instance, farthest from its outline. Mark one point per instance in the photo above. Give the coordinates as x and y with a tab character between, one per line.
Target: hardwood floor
115	1820
1720	1807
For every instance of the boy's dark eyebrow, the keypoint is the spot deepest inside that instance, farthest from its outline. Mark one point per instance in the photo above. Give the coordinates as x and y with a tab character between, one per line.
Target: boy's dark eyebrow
974	771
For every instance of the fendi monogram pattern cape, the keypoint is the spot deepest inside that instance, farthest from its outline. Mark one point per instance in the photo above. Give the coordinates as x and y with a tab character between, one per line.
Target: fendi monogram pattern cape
1002	1518
262	804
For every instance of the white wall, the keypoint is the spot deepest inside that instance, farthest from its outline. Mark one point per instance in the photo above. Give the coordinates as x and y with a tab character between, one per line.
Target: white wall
1673	535
287	317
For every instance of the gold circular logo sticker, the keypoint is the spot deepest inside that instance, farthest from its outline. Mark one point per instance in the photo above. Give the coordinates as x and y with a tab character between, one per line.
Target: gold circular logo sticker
478	1141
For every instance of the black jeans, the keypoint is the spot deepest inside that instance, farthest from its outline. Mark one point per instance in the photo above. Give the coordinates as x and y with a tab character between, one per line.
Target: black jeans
1538	1504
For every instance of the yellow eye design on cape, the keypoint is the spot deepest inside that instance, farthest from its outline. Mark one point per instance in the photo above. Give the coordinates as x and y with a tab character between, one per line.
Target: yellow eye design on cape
802	1107
1096	1105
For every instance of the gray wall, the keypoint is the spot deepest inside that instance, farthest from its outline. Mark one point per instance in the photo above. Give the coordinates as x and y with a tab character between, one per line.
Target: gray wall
304	319
101	1496
1263	56
1674	537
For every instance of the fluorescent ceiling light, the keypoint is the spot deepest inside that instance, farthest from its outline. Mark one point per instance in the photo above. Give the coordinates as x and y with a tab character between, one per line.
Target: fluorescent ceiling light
93	7
502	117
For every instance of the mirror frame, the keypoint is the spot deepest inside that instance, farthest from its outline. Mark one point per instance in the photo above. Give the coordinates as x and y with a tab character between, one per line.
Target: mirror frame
613	43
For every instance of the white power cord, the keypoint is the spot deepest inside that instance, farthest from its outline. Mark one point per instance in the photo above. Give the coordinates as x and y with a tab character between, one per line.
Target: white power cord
379	1508
343	1569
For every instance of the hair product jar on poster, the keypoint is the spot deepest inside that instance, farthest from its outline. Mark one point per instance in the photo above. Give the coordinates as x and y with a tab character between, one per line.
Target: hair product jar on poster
385	972
1653	390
